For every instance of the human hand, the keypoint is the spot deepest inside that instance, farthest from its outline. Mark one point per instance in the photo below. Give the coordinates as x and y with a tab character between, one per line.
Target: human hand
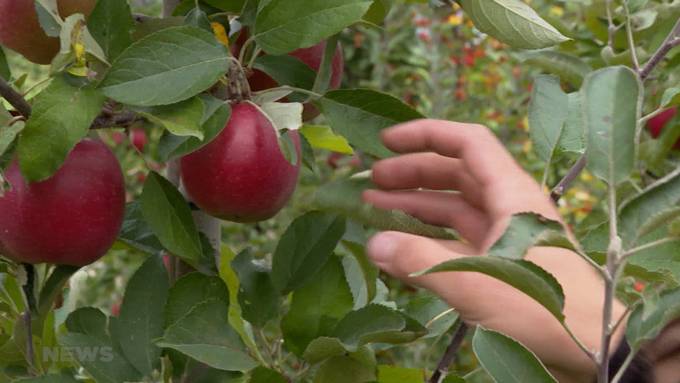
461	176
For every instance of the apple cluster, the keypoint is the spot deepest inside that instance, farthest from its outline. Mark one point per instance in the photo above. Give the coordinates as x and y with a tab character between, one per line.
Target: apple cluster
74	217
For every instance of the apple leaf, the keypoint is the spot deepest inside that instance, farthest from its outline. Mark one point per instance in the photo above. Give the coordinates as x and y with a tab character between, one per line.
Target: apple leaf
48	379
570	68
649	209
287	70
526	231
216	114
323	78
394	374
4	66
343	369
282	26
8	135
53	287
512	22
643	328
181	119
257	296
62	114
360	114
197	324
304	248
166	67
523	275
141	315
547	116
670	97
265	375
168	214
93	349
316	307
612	102
507	360
322	137
111	24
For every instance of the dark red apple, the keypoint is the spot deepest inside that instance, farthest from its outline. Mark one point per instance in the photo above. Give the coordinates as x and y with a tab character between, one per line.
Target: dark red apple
138	138
20	29
242	175
72	218
659	122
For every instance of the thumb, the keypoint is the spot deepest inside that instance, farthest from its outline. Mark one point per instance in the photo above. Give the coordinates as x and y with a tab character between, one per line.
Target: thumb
401	255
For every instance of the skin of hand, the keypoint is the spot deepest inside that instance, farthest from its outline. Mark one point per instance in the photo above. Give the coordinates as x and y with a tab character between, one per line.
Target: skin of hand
460	176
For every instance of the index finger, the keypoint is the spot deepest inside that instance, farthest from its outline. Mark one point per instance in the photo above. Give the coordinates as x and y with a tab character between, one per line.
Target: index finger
479	149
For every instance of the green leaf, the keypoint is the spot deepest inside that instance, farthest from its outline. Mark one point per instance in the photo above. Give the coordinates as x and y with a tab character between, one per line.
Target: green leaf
650	209
376	323
285	25
640	329
231	279
93	349
570	68
257	296
343	369
369	273
265	375
360	114
453	379
287	70
198	324
141	315
8	135
181	119
612	101
522	275
304	249
198	18
316	307
394	374
512	22
670	97
62	114
169	217
325	72
506	360
137	233
431	312
53	287
216	114
111	24
378	11
547	116
527	230
48	379
4	66
166	67
344	197
322	137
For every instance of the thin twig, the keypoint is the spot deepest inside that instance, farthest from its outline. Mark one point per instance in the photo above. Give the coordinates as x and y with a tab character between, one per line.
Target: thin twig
571	176
611	28
578	342
671	42
31	307
631	38
106	120
450	354
624	366
14	98
649	246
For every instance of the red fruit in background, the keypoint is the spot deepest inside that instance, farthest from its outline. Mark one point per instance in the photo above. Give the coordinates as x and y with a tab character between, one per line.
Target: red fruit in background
20	29
242	175
72	218
657	124
118	137
115	310
138	138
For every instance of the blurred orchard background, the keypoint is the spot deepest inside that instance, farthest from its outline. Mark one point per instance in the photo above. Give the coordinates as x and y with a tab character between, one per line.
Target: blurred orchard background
433	59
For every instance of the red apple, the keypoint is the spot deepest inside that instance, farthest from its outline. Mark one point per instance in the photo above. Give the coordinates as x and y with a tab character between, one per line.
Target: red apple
115	309
118	137
20	29
657	124
72	218
138	138
242	175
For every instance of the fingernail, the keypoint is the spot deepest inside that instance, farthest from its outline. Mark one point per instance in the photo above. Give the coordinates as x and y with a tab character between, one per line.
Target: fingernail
382	247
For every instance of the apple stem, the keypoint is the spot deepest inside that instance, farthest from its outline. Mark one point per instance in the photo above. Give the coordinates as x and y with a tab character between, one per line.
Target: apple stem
669	43
31	307
238	87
